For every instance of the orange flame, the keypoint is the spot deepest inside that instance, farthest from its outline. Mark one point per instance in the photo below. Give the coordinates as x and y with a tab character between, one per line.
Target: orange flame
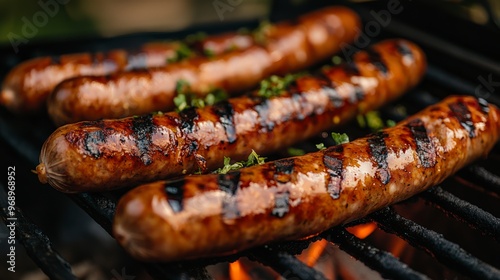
314	252
362	231
237	271
398	245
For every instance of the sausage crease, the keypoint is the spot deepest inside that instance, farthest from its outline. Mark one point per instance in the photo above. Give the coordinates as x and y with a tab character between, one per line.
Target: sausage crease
27	86
286	47
109	154
206	215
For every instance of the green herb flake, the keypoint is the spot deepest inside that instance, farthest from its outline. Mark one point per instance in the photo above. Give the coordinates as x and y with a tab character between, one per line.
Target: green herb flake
209	53
261	32
196	37
295	152
340	138
320	146
275	85
253	159
390	123
182	52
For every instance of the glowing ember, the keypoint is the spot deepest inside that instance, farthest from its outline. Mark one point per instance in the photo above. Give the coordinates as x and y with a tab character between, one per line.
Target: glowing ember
362	231
237	271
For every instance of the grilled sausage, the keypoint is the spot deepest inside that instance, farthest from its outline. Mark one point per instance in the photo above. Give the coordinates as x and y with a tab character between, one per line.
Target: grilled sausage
207	215
27	86
108	154
288	47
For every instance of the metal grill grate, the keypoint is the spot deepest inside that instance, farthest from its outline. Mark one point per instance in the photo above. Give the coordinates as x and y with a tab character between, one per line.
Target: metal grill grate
280	257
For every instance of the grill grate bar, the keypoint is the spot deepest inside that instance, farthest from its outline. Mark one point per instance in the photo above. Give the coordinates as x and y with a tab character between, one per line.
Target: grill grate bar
481	175
435	244
285	264
464	211
383	262
36	243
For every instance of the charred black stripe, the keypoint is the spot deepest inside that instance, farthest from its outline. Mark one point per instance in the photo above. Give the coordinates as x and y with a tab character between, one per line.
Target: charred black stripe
93	141
284	166
485	106
175	194
332	159
136	60
333	95
376	60
262	110
281	204
142	128
350	68
359	93
463	115
224	110
405	50
188	118
425	149
378	151
229	183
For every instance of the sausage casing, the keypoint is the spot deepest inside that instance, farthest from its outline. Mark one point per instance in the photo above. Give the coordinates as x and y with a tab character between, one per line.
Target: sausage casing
27	86
288	47
85	156
206	215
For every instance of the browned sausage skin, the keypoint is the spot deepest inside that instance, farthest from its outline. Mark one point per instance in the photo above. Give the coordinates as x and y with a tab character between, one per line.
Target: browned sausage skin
27	86
86	156
207	215
287	47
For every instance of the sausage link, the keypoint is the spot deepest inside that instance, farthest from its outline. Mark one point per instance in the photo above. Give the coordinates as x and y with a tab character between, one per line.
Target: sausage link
292	198
27	86
109	154
288	47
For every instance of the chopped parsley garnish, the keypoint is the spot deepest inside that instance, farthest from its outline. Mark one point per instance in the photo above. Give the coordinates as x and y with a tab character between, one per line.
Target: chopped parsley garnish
253	159
373	121
320	146
275	85
261	32
185	98
209	53
196	37
295	152
340	138
182	52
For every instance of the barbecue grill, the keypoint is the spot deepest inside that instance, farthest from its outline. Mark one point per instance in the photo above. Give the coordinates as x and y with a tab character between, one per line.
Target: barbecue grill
463	59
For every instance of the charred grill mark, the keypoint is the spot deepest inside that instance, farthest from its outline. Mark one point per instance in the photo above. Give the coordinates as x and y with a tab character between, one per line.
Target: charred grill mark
93	141
378	151
425	150
142	128
350	68
463	115
224	110
485	108
229	183
334	164
281	204
175	194
284	168
359	93
376	60
262	110
188	117
334	96
404	49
